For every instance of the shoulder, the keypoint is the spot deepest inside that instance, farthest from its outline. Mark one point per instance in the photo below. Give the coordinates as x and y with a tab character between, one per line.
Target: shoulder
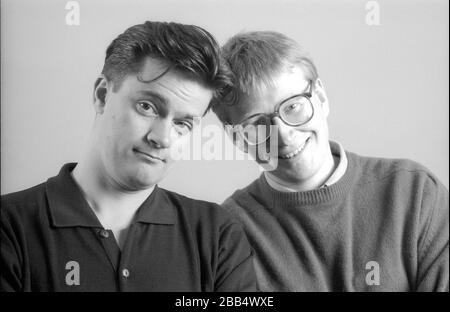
242	194
403	170
23	203
197	211
404	180
245	202
22	211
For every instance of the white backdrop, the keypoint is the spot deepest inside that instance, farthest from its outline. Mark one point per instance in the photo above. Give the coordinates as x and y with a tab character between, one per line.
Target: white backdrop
387	83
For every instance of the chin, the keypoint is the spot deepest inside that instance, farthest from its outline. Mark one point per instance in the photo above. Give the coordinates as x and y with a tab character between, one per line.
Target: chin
140	185
143	179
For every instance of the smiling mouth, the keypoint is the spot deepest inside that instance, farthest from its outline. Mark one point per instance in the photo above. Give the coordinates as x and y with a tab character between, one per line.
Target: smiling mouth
296	152
149	157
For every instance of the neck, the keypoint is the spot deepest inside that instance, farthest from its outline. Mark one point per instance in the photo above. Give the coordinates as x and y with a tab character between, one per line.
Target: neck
307	184
113	205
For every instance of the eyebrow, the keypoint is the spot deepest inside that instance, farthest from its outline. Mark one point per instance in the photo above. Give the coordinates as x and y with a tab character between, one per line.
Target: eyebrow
163	100
153	94
305	90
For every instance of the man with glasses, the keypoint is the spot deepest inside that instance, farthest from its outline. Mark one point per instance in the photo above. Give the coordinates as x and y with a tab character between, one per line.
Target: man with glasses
324	219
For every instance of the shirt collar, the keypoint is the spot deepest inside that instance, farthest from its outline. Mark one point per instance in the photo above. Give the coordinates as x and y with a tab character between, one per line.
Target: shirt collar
69	208
338	152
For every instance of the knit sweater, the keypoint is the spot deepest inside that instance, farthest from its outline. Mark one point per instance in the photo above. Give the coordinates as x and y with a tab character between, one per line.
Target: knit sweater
384	226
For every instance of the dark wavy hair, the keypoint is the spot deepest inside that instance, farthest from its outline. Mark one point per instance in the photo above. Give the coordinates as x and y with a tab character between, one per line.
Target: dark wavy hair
186	48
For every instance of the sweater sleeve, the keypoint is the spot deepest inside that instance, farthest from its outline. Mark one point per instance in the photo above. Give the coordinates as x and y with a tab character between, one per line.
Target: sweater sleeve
235	270
433	251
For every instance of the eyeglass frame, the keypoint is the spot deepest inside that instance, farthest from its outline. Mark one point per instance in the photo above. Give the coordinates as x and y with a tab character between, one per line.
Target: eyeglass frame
276	113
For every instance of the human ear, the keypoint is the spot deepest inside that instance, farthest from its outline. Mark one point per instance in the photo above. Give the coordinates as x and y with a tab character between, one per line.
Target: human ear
100	94
322	95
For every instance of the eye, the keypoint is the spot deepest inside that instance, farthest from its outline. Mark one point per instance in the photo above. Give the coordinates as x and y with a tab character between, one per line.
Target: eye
293	107
183	126
147	108
255	121
260	121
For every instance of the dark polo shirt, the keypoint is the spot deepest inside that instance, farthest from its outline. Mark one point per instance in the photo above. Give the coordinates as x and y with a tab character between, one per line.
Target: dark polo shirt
51	240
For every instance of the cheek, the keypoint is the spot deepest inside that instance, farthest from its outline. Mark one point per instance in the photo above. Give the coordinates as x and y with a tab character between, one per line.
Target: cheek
319	125
129	128
121	136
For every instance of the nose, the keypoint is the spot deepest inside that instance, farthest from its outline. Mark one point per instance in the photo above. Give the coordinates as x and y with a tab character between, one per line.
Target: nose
160	134
285	132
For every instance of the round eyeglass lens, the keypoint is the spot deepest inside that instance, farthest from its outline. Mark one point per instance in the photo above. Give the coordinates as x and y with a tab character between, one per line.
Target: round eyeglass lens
297	110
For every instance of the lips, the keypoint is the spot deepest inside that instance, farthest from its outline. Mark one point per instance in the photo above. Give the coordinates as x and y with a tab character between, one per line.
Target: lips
295	152
150	156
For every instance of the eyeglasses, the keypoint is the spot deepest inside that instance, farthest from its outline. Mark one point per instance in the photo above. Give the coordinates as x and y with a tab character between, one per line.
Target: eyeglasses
294	111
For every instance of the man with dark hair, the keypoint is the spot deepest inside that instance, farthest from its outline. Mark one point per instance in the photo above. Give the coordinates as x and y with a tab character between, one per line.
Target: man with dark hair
103	224
325	219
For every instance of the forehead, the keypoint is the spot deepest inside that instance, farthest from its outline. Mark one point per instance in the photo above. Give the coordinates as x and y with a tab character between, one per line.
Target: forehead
176	89
289	82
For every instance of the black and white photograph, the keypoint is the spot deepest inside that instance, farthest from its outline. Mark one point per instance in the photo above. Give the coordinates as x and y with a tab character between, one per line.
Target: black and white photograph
224	146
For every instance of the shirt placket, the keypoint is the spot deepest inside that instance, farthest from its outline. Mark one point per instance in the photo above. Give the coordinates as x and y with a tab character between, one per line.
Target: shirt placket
125	272
117	258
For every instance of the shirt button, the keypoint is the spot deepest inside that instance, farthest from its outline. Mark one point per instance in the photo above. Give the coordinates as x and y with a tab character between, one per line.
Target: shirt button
125	273
104	233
